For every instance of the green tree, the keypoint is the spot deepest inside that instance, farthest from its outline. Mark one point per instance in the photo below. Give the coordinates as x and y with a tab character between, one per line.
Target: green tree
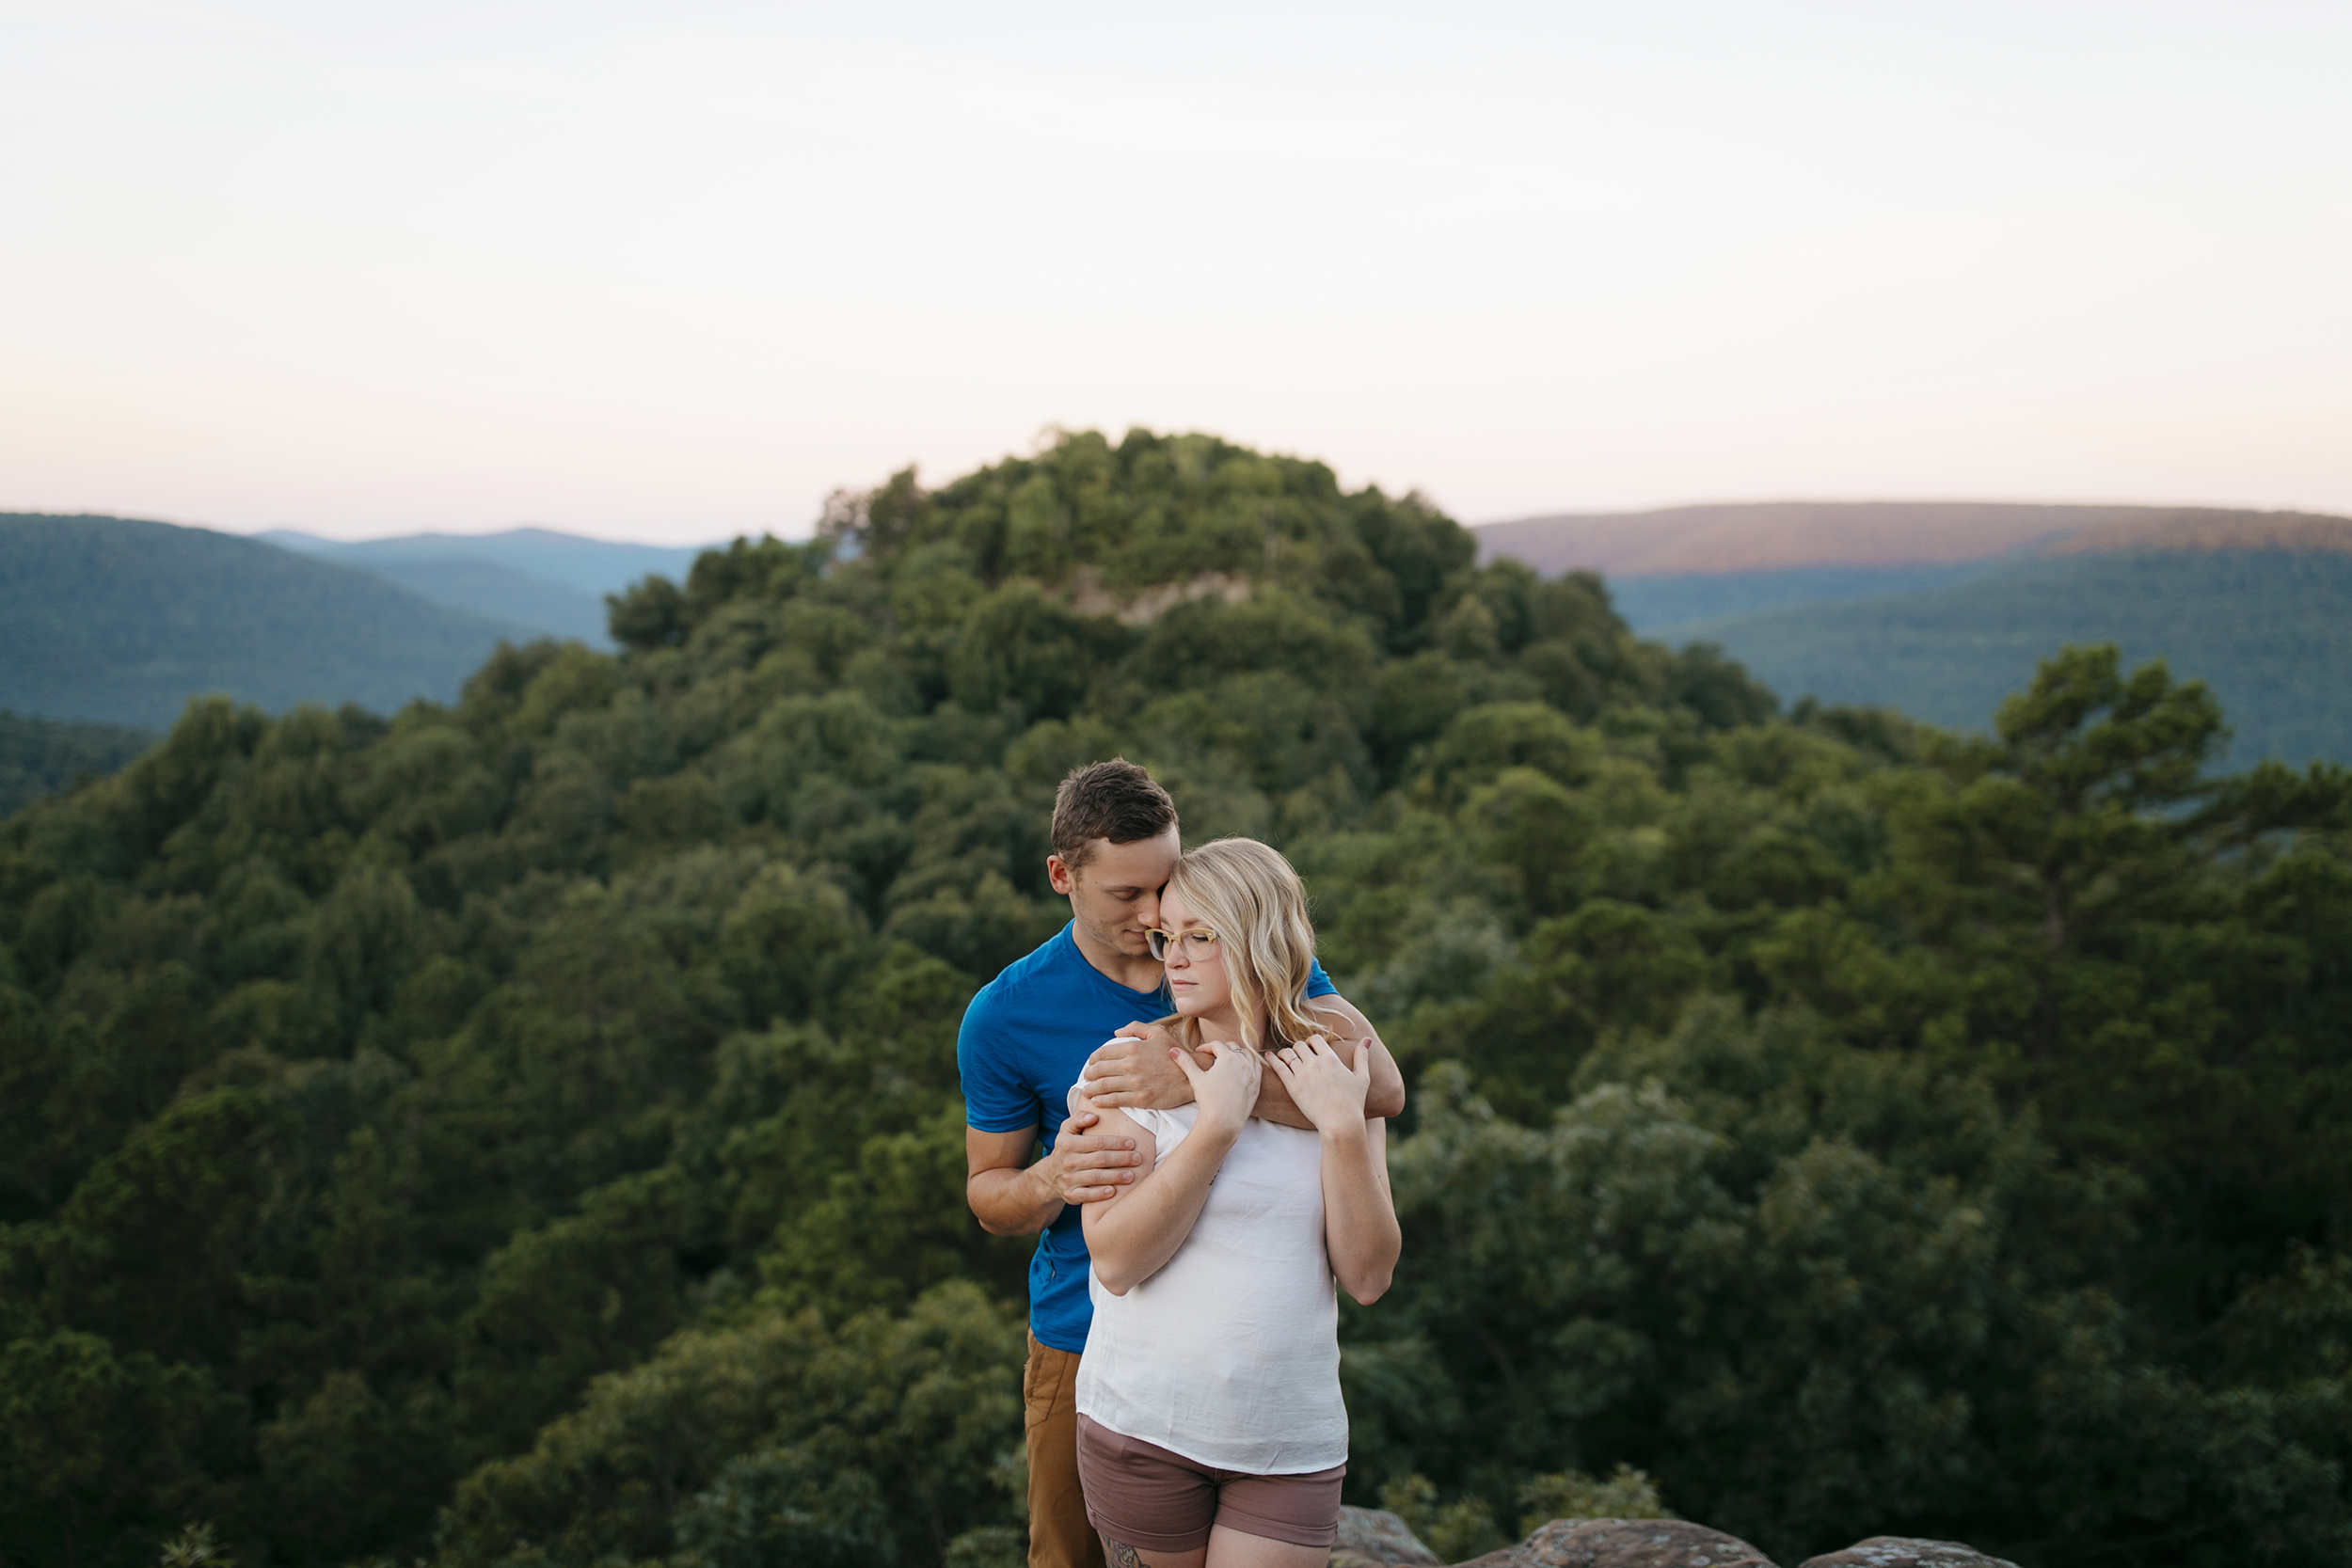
535	1118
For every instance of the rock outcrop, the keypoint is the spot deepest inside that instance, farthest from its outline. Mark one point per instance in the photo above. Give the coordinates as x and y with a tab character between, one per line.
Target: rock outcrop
1371	1539
1902	1551
1626	1544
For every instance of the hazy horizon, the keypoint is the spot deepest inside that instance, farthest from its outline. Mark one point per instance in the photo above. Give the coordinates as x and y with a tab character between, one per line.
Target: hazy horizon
687	540
671	276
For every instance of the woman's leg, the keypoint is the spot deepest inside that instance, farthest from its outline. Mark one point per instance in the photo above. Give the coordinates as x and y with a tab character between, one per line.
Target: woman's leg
1153	1508
1232	1548
1276	1521
1119	1555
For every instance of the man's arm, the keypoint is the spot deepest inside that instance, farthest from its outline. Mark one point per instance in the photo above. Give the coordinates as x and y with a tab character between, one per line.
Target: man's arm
1134	1069
1011	1198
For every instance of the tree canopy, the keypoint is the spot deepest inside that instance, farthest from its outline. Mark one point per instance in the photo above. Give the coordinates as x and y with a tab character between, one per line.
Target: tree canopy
41	756
526	1131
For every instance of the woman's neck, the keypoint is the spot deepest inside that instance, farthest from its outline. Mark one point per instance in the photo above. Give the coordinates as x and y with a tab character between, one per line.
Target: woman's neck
1225	1025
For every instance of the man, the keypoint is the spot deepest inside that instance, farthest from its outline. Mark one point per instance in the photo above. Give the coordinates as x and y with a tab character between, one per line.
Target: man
1025	1039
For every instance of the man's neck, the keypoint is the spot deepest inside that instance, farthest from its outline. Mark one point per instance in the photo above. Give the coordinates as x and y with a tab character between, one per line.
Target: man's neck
1139	972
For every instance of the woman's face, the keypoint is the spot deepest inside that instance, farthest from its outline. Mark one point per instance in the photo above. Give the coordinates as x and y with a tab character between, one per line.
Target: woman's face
1197	981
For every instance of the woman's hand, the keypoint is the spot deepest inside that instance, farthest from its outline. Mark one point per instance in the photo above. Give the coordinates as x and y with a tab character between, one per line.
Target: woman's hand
1325	1088
1227	1089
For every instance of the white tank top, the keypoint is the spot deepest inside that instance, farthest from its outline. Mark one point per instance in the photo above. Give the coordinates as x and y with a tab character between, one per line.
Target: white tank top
1230	1355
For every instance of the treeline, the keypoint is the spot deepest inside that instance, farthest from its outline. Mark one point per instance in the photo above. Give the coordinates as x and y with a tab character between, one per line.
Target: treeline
40	756
2263	624
526	1132
117	620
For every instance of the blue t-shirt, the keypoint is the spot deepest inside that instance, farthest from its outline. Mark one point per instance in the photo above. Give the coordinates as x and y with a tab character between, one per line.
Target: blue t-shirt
1025	1039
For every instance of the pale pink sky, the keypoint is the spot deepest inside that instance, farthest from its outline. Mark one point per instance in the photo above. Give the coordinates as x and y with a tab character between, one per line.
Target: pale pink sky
673	272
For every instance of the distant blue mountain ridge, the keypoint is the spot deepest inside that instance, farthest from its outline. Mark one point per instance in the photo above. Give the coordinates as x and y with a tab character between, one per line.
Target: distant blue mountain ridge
2269	630
109	626
591	567
1941	610
534	577
1662	606
122	620
1936	609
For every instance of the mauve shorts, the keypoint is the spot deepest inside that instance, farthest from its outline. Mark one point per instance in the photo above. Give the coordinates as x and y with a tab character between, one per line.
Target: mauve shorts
1142	1495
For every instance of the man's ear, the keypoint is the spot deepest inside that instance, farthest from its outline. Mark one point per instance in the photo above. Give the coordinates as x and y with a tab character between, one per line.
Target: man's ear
1064	881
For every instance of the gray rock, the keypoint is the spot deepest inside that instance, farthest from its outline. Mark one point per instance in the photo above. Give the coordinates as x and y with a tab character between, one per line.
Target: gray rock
1373	1537
1626	1544
1902	1551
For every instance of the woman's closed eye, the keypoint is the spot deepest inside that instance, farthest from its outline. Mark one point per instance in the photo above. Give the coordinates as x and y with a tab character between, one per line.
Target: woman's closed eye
1196	943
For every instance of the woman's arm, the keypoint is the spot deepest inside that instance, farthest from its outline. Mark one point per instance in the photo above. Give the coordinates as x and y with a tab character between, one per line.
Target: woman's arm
1131	1236
1360	1228
1358	1216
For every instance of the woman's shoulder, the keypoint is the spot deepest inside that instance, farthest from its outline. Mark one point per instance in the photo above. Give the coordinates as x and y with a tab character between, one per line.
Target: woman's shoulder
1166	1128
1160	1123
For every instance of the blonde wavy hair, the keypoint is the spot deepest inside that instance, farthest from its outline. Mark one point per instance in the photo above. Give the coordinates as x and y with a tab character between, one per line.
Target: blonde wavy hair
1247	893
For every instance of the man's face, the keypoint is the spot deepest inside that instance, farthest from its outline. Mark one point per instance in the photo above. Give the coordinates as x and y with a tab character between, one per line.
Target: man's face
1115	897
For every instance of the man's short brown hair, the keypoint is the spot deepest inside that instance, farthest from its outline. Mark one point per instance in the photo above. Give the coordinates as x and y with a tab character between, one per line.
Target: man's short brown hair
1115	799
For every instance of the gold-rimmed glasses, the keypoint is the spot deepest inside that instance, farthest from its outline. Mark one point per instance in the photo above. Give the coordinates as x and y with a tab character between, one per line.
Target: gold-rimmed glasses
1197	943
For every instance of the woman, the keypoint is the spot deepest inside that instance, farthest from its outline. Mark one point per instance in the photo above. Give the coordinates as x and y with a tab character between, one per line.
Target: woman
1210	1426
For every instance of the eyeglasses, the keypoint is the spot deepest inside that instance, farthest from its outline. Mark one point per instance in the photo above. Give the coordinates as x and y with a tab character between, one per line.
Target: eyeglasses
1197	944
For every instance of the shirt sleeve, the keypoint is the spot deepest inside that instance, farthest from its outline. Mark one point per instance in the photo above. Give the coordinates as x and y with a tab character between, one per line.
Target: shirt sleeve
994	1098
1166	1131
1318	983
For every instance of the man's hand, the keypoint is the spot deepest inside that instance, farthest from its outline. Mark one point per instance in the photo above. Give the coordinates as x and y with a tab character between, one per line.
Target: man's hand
1086	1168
1134	1071
1010	1196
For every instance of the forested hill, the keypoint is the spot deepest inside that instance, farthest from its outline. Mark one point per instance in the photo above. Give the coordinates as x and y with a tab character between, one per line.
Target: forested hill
40	755
2269	630
122	620
1755	538
526	1131
555	582
1941	610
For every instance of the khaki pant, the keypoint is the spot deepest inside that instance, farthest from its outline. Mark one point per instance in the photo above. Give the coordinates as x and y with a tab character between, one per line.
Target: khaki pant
1060	1536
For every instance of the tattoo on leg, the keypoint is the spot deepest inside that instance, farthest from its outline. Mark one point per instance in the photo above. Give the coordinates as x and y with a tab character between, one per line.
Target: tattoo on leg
1121	1554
